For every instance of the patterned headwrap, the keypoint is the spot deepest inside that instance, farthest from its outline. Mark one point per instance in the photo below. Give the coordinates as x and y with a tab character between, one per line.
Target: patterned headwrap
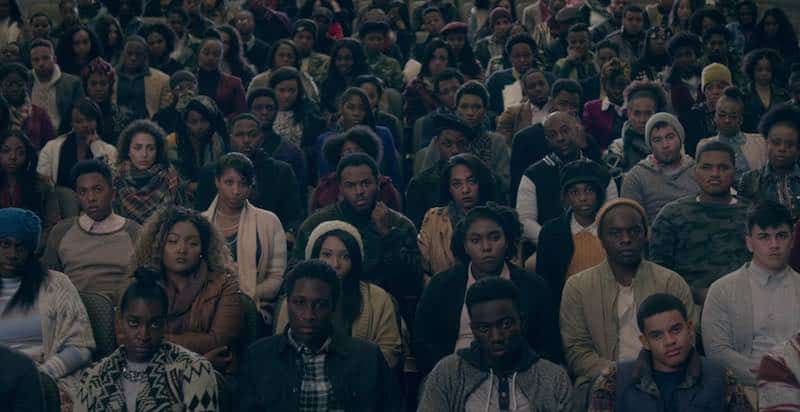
99	66
615	67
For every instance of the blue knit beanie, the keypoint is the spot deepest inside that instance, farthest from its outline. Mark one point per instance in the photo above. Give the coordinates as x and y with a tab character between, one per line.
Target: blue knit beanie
22	225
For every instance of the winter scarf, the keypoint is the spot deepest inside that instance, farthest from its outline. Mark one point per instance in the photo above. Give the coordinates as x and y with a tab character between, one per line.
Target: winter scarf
141	192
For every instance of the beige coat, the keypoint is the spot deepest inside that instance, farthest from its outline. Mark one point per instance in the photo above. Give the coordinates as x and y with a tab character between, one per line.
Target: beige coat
513	119
589	322
433	241
50	156
157	93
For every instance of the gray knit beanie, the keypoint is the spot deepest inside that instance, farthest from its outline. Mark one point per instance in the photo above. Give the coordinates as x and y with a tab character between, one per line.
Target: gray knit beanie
663	117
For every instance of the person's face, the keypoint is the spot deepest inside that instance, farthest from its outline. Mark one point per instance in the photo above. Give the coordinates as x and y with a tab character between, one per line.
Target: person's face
579	42
537	88
135	56
560	134
245	23
264	109
447	92
191	7
284	57
684	11
497	328
11	53
450	143
438	62
373	42
156	44
658	43
83	126
69	13
372	94
456	41
177	24
771	246
334	252
485	244
623	235
707	23
728	117
464	187
639	112
95	195
143	151
344	61
323	24
225	38
359	187
246	137
233	189
616	7
353	111
582	199
81	44
350	147
684	58
13	155
210	55
771	26
521	57
433	23
615	88
471	109
746	17
43	62
604	55
142	329
669	338
13	255
183	248
501	27
113	35
714	173
98	88
40	27
717	44
633	23
310	309
304	41
762	73
14	89
782	146
666	145
197	125
286	92
566	102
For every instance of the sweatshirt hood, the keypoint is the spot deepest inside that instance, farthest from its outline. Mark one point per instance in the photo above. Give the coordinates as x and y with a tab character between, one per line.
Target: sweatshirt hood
474	356
650	164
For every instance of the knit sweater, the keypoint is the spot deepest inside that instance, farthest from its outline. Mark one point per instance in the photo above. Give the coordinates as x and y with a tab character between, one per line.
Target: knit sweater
653	187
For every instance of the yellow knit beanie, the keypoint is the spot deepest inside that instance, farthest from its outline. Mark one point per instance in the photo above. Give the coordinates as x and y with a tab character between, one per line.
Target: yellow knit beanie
715	72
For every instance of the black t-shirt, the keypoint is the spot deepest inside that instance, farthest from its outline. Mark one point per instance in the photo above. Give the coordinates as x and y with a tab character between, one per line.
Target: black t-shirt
667	383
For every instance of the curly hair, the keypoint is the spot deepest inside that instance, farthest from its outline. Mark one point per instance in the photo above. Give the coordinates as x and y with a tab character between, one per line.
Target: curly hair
149	248
147	127
786	113
480	172
504	216
754	57
644	88
165	31
434	45
363	136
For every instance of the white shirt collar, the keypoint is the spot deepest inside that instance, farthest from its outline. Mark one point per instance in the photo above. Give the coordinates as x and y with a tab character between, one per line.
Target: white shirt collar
576	227
606	104
110	224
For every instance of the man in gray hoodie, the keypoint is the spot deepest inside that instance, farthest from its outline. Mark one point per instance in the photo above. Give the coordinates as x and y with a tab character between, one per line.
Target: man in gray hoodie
666	174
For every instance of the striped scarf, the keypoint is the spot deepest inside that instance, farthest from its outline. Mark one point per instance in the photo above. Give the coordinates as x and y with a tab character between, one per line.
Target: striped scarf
141	192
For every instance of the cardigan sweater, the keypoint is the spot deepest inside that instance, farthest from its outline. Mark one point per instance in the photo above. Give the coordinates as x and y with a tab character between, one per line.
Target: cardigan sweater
50	156
433	240
439	312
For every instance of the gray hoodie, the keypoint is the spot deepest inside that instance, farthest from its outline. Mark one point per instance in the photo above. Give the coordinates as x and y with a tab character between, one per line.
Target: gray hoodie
648	184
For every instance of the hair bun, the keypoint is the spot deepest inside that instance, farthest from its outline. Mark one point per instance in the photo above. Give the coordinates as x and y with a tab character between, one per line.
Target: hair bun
146	276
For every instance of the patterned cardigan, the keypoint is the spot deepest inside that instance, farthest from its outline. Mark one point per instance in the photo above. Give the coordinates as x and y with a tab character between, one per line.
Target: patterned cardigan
778	374
178	380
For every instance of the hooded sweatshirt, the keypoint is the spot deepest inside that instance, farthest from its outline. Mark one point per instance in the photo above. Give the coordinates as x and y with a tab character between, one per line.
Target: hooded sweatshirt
653	187
464	382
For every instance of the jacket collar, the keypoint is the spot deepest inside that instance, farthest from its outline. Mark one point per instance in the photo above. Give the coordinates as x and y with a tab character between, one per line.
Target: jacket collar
337	344
475	357
643	372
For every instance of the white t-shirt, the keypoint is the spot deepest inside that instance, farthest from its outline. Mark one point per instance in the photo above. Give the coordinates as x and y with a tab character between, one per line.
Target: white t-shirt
629	344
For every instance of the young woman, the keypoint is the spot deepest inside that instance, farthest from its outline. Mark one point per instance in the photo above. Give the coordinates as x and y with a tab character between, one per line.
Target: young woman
347	63
216	11
359	139
82	142
15	81
20	185
400	24
455	34
226	90
204	312
76	48
775	31
466	182
233	60
365	310
11	23
680	16
354	110
98	83
109	32
254	236
284	54
763	70
144	179
199	139
131	378
160	45
656	61
419	97
41	313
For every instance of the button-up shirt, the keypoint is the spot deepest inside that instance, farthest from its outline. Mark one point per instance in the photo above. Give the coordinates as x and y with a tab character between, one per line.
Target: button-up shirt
607	104
576	227
775	314
316	391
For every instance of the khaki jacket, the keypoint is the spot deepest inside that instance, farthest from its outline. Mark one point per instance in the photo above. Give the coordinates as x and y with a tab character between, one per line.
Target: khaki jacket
433	241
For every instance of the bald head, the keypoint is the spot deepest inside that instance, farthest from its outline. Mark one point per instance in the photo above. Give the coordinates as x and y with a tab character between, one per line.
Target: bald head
561	132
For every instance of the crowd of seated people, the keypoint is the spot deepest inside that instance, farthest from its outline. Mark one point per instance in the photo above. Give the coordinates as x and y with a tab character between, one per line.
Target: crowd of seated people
433	205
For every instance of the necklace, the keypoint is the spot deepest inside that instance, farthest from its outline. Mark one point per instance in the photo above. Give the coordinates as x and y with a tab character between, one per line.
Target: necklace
134	376
219	212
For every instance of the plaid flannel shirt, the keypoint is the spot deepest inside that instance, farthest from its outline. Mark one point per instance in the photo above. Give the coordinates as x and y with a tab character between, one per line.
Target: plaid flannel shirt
316	391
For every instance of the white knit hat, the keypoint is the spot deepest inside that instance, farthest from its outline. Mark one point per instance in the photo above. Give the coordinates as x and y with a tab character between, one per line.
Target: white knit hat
330	226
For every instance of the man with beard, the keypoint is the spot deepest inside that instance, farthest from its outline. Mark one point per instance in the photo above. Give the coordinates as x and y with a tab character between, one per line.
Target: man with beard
391	255
666	174
630	38
466	379
533	108
53	91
